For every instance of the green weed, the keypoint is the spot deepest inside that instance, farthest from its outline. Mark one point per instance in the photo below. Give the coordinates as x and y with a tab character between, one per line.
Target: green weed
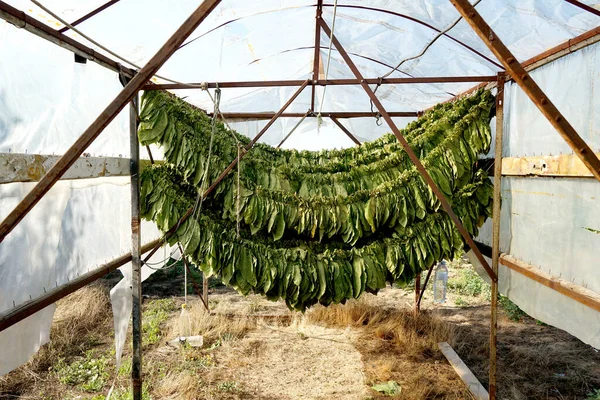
467	282
123	393
89	374
593	395
459	301
512	310
229	386
157	312
125	368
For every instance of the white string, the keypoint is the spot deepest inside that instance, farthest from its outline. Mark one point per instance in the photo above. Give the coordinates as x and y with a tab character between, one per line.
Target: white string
185	285
319	117
294	128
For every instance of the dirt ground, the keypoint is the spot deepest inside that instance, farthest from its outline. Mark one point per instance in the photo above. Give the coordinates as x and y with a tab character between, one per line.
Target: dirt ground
257	349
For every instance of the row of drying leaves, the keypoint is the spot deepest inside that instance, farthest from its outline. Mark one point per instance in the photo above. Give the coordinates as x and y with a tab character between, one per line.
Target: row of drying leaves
318	226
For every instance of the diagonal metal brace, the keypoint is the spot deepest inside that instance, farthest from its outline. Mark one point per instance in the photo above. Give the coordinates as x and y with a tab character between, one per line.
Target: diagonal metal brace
524	80
411	154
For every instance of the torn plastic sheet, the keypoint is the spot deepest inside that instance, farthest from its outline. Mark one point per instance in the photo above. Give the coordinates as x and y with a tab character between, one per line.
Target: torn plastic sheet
122	300
77	226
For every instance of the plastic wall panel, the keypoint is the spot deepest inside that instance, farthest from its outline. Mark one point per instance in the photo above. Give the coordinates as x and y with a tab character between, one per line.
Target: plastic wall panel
78	225
47	100
552	223
573	84
546	304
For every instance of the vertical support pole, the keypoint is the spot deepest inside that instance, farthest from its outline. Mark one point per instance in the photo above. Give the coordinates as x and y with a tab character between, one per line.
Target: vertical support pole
136	264
417	294
205	290
496	232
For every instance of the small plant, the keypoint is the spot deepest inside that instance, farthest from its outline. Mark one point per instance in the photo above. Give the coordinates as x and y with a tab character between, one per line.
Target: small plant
390	388
123	393
156	313
228	386
467	282
459	301
512	310
125	368
194	361
90	373
593	395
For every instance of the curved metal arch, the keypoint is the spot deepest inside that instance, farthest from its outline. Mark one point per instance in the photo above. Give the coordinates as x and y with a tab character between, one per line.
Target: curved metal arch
349	52
240	18
418	21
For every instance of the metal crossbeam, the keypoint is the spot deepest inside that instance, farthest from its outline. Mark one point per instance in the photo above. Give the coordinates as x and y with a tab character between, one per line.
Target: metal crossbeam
524	80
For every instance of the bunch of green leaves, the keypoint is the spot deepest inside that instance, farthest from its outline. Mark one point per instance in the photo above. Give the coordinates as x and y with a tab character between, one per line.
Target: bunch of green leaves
89	373
304	272
344	194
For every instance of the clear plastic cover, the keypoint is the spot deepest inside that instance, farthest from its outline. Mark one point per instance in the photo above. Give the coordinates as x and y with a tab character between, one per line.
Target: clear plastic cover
47	100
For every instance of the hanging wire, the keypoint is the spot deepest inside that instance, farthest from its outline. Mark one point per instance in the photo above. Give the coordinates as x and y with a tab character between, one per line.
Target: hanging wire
294	128
397	67
319	117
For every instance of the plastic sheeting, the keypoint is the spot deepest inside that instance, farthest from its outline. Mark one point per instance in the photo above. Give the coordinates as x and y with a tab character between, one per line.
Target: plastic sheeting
552	223
46	101
77	226
273	39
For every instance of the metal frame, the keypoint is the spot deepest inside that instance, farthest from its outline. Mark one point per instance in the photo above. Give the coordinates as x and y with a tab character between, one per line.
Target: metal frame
21	20
113	109
517	71
345	130
89	15
411	154
533	91
136	262
321	82
324	114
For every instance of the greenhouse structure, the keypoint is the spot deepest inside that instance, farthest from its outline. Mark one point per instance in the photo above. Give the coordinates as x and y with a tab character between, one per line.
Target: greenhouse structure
308	151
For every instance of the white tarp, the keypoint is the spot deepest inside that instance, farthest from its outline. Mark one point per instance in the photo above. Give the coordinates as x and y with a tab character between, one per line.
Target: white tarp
552	223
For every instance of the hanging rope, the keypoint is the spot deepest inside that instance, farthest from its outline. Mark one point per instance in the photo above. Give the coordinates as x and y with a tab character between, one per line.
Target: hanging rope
319	117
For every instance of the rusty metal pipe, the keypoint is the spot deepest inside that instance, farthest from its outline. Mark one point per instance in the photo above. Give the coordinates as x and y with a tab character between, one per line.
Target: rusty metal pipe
411	154
323	82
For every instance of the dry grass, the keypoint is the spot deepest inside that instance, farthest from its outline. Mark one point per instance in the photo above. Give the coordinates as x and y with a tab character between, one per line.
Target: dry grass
212	327
397	346
82	320
177	385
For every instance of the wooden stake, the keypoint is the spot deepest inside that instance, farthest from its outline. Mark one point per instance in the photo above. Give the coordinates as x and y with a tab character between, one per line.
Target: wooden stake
496	232
136	264
417	294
